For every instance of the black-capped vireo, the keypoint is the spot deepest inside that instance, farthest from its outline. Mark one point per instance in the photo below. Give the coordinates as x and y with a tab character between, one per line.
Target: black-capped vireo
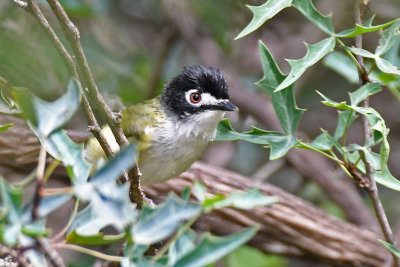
173	129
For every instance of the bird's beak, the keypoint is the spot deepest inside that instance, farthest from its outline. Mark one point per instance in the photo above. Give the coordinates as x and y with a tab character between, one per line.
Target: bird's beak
227	106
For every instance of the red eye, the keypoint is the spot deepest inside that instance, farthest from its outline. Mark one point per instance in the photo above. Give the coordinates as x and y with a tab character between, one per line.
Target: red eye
195	98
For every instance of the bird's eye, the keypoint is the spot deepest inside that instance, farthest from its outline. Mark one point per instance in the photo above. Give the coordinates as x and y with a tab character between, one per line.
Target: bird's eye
195	98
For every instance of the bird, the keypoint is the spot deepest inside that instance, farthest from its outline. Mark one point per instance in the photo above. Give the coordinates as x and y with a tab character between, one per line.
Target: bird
173	129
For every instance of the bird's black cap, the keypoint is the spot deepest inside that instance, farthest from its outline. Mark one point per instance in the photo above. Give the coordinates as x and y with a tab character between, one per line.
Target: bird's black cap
203	80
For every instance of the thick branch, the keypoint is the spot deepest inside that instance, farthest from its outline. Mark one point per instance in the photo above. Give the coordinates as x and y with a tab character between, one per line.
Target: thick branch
290	227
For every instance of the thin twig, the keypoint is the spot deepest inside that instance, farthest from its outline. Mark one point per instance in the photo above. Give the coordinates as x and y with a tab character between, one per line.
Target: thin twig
66	227
39	192
50	253
372	190
91	252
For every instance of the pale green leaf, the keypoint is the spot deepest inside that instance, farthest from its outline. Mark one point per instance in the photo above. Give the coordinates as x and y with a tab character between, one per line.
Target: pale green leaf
45	116
363	92
314	53
263	13
386	67
212	248
388	39
361	52
308	10
321	143
284	101
360	29
330	103
184	244
51	203
343	65
166	219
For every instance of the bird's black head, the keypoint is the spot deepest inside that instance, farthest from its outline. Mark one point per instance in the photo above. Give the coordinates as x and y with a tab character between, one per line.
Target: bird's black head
197	89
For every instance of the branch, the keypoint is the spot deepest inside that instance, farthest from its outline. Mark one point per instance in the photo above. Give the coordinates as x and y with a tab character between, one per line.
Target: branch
372	189
291	227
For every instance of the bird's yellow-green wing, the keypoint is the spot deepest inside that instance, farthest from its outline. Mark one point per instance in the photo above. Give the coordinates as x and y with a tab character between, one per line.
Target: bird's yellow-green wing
139	122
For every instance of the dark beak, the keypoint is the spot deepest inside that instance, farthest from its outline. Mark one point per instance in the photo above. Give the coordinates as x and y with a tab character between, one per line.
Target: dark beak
227	106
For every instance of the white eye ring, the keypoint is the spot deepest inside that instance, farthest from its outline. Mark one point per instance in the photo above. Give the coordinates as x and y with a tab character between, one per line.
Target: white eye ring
189	95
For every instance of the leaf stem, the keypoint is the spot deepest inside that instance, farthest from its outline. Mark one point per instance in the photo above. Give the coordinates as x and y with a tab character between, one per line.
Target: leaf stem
71	219
348	52
345	129
181	230
50	169
336	159
91	252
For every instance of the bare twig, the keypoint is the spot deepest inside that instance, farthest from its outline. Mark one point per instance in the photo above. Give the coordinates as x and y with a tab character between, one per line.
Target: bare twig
85	76
50	253
39	191
372	190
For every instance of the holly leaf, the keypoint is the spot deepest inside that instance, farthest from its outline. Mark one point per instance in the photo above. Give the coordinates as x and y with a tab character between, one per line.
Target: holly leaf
361	29
309	11
388	39
363	92
212	248
343	65
263	13
314	53
284	101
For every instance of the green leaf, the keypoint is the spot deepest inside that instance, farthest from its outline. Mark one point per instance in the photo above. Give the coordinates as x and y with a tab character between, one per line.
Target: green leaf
386	67
365	91
212	248
308	10
161	223
184	244
391	248
244	200
346	118
51	203
388	39
343	65
360	29
263	13
322	142
284	101
49	116
199	191
61	147
11	201
330	103
280	144
5	127
361	52
314	53
97	239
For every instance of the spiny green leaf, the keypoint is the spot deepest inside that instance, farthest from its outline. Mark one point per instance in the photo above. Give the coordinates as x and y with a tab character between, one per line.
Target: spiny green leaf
225	132
163	221
97	239
343	65
212	248
307	8
284	101
49	116
330	103
360	29
5	127
391	248
263	13
388	39
314	53
363	92
280	144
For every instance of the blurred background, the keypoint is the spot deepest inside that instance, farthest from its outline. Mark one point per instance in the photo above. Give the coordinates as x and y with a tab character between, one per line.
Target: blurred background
135	47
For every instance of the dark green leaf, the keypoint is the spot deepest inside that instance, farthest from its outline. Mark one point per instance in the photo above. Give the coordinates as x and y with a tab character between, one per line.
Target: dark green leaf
363	92
314	53
226	133
308	10
284	101
164	221
263	13
212	248
49	116
346	118
97	239
35	229
343	65
5	127
360	29
280	144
